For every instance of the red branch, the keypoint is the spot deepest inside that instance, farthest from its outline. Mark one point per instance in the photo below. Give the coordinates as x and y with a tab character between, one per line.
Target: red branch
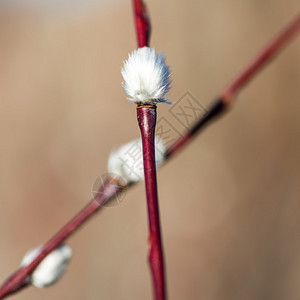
146	116
223	102
19	279
142	23
262	58
147	121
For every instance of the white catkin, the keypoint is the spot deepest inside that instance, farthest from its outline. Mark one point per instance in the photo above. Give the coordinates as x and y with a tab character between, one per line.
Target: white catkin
127	161
52	266
146	77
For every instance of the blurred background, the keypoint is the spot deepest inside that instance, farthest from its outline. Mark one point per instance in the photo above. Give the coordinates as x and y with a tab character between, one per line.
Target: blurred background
229	202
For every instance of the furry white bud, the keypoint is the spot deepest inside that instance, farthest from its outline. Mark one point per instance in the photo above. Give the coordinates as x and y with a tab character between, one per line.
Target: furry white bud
51	268
146	77
127	161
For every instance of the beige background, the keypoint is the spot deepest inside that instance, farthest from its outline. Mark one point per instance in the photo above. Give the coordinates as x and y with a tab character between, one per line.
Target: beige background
229	202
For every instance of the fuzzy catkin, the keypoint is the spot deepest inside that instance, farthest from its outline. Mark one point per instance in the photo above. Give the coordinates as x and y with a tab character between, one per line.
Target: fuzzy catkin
146	77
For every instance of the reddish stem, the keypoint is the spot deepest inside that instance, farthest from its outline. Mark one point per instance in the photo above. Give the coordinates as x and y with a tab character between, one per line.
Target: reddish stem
142	23
146	116
262	58
225	99
19	279
147	121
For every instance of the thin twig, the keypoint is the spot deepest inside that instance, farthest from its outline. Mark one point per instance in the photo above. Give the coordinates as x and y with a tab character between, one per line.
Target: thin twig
19	279
264	57
225	99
